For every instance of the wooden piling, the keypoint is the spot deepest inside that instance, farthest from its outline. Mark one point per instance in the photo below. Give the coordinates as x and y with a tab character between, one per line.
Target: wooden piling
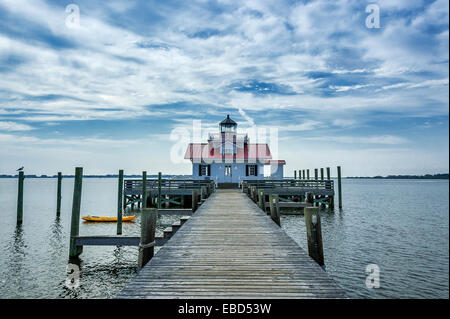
252	193
202	192
20	198
304	175
120	202
295	174
316	174
261	200
275	209
328	173
321	174
75	250
307	171
314	234
339	186
309	198
194	200
159	189
147	242
58	195
144	190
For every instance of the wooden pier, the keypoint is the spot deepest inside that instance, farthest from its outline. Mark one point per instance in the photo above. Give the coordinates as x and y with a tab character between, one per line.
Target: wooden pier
230	248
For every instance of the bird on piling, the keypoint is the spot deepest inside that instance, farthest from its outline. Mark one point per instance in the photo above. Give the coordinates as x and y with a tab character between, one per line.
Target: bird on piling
19	169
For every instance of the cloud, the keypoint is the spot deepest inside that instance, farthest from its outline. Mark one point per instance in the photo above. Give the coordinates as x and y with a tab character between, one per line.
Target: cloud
14	126
299	66
247	118
61	142
381	139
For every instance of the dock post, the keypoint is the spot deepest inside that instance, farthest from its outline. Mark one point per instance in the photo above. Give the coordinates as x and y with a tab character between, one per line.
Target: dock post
274	209
309	198
328	173
295	174
261	199
316	174
331	205
159	189
314	234
194	200
202	193
75	250
144	190
321	174
339	186
120	203
20	199
307	171
147	243
58	195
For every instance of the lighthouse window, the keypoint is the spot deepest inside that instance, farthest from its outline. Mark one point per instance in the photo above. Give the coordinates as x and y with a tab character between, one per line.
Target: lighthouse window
251	170
228	148
204	170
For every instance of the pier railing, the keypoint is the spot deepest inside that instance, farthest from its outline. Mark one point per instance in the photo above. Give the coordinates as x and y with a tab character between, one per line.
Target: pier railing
134	186
289	183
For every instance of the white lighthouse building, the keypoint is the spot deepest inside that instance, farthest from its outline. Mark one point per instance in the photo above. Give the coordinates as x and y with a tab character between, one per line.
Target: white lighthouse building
229	157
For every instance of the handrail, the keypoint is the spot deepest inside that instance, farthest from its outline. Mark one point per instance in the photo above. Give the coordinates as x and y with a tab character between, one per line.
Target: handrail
292	183
131	184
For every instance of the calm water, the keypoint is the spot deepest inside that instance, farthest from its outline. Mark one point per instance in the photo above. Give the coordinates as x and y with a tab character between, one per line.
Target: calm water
402	226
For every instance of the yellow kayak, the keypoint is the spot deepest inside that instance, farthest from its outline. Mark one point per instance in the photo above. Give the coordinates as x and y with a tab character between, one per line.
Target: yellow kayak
107	219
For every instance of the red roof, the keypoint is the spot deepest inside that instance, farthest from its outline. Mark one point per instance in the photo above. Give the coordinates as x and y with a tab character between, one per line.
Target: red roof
250	151
279	162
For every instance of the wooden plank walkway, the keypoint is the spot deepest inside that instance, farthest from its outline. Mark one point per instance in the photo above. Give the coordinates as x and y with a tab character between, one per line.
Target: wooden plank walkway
231	249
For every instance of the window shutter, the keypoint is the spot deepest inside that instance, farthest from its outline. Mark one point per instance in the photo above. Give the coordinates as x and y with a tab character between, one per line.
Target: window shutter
209	170
199	170
246	170
256	170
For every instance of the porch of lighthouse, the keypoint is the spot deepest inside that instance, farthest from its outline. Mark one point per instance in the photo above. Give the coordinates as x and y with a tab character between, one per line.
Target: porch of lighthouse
229	157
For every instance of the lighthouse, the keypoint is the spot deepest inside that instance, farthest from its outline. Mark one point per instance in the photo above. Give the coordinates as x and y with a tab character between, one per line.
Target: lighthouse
229	157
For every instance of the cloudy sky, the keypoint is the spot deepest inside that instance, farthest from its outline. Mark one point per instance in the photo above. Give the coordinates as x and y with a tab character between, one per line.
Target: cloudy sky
114	91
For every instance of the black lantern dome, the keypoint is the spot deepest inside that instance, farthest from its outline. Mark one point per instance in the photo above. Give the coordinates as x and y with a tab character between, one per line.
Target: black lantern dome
228	125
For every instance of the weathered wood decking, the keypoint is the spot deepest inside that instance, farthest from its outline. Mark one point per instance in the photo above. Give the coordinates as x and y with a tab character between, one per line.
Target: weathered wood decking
231	249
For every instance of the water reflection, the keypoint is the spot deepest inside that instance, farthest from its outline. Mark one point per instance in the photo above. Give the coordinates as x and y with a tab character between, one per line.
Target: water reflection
55	237
15	263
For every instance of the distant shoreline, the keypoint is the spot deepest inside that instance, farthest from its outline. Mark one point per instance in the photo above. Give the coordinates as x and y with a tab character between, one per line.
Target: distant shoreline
427	176
92	176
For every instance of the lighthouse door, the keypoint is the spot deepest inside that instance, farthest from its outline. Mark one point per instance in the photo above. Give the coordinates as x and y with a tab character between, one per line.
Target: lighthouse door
228	174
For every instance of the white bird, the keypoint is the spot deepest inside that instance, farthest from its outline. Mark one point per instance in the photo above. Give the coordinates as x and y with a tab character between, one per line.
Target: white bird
19	169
